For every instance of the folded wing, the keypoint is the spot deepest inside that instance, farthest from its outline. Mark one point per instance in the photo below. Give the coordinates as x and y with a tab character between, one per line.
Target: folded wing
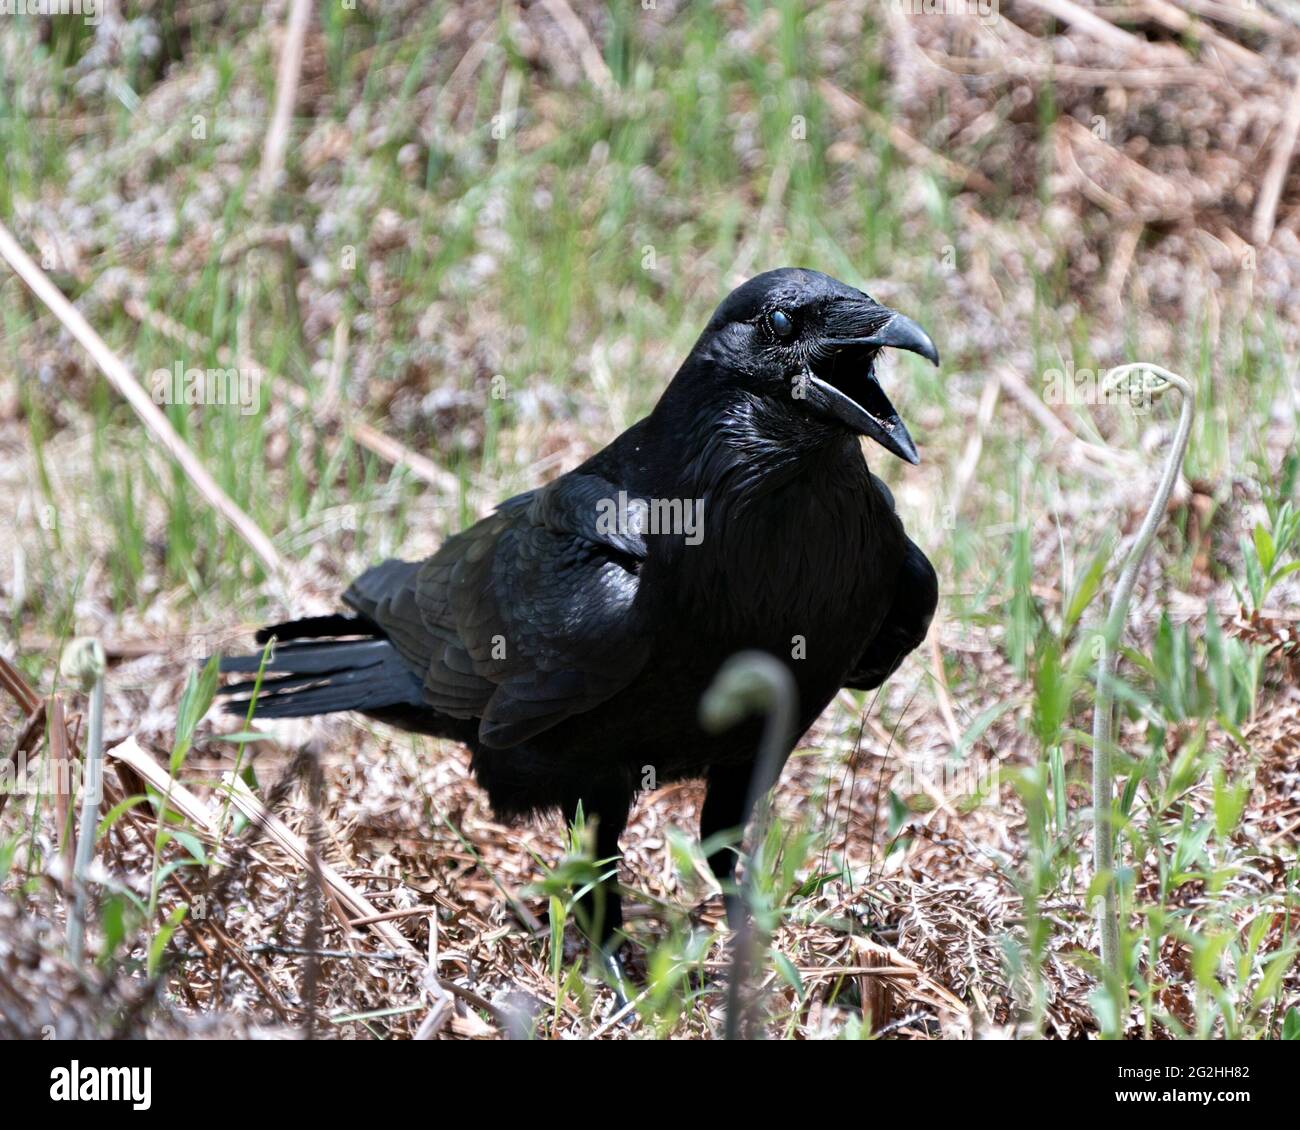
524	619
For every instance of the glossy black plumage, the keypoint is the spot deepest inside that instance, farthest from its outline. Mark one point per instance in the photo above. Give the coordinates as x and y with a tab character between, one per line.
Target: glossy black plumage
571	656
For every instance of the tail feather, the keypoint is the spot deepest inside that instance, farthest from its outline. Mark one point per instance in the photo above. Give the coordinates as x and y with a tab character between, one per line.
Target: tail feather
289	683
314	627
321	657
322	674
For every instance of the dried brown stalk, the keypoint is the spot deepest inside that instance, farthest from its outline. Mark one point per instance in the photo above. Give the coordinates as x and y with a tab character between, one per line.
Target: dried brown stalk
120	377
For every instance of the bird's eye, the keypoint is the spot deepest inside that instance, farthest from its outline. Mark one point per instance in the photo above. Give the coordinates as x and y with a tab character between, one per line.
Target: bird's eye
782	323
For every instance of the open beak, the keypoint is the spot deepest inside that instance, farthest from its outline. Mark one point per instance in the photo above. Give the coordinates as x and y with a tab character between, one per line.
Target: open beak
849	391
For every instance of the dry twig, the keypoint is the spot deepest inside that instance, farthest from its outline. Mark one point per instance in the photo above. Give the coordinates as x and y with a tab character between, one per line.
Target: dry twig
1270	191
119	376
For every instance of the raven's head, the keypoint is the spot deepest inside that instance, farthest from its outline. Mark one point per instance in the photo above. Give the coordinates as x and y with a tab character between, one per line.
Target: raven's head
808	343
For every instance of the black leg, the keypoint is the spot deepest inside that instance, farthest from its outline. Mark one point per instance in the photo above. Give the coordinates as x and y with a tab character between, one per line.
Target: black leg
727	807
600	910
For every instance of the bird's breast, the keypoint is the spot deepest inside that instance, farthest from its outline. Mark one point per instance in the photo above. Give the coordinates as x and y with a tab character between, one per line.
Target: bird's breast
798	572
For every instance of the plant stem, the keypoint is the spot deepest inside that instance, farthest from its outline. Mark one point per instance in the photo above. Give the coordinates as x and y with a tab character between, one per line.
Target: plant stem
750	682
1103	799
85	660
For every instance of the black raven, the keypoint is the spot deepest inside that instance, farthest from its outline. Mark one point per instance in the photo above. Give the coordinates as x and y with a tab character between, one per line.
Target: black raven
567	638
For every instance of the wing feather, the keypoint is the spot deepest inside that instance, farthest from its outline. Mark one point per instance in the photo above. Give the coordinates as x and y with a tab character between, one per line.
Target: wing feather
522	620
